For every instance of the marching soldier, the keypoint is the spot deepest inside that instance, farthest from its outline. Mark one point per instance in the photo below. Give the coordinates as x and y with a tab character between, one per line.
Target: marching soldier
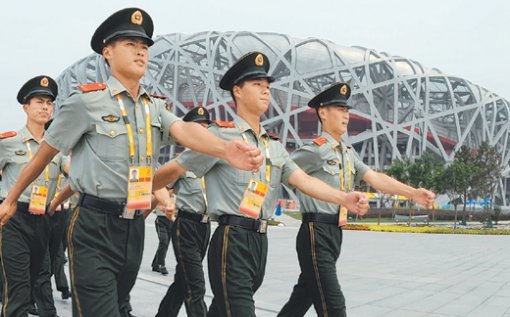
24	240
164	225
116	128
190	238
244	201
319	239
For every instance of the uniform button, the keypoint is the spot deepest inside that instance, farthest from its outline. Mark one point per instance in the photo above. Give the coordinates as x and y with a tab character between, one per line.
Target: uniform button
142	158
140	130
112	133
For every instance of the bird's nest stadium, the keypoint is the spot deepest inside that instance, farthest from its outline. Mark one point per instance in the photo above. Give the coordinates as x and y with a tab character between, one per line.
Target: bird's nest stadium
400	108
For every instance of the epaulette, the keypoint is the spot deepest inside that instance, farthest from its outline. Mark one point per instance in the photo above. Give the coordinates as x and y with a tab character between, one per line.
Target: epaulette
8	134
158	96
225	124
273	136
92	87
320	140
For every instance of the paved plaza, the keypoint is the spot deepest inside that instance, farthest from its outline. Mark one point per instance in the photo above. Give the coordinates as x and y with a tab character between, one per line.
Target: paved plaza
381	274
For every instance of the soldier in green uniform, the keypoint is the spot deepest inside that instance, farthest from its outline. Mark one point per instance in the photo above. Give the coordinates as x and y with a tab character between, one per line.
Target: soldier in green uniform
113	128
319	239
24	240
190	238
243	201
164	227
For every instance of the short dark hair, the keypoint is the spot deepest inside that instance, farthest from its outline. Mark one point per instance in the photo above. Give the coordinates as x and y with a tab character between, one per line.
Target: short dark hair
241	84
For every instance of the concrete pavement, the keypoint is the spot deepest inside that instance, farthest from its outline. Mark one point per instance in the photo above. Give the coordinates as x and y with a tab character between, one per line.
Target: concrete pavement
381	274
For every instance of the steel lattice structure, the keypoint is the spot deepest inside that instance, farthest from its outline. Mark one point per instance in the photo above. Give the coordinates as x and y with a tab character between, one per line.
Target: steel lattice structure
400	108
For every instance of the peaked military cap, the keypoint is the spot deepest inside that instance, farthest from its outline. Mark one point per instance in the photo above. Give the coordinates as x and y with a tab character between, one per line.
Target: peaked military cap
38	86
250	66
197	114
132	22
338	94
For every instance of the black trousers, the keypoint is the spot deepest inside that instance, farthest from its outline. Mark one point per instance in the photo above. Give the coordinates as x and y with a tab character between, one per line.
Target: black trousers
237	263
318	247
23	252
164	231
190	239
105	253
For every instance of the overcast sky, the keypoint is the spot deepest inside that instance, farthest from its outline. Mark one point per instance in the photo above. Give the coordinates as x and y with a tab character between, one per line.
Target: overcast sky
465	38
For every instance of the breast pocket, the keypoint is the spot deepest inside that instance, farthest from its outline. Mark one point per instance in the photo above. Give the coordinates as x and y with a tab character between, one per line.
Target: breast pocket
331	173
110	142
21	159
276	173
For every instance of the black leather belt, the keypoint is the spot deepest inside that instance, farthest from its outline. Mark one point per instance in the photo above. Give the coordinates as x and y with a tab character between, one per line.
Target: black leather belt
204	218
325	218
105	206
258	225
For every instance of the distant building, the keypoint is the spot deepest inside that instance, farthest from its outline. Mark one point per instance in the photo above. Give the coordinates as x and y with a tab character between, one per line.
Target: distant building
400	108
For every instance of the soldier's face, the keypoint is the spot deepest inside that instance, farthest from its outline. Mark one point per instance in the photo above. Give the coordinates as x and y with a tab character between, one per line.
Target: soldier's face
335	119
127	57
254	94
39	109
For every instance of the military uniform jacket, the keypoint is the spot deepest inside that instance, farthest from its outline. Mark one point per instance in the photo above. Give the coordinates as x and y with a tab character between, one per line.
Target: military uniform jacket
90	124
226	185
189	195
320	160
14	156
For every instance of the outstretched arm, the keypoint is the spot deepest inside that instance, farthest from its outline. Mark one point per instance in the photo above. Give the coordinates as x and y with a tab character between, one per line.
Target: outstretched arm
197	138
33	169
389	185
314	187
167	174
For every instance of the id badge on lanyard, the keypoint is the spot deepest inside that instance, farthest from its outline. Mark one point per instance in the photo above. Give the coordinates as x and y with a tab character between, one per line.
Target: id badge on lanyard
343	213
39	193
139	188
38	199
253	199
139	191
256	191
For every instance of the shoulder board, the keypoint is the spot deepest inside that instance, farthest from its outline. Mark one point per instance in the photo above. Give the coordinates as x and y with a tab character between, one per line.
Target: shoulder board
8	134
320	140
158	96
92	87
273	136
225	124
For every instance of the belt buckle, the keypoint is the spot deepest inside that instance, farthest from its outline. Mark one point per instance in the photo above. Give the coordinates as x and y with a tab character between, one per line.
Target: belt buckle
205	218
262	226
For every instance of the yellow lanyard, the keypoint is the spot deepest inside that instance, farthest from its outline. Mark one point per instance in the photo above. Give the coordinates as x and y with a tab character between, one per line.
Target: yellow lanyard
342	171
46	170
204	194
148	130
268	157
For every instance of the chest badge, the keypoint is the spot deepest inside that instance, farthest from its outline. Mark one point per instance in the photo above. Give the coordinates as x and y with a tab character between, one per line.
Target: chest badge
20	152
110	118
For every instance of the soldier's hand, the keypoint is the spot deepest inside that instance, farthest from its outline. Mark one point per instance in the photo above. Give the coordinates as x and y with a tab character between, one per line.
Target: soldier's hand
357	202
424	197
7	211
168	206
243	156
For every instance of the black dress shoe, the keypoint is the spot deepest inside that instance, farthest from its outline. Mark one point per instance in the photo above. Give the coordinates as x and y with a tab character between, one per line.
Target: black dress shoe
161	269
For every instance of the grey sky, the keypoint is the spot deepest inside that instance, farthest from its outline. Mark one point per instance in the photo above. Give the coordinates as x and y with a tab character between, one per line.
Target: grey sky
462	38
